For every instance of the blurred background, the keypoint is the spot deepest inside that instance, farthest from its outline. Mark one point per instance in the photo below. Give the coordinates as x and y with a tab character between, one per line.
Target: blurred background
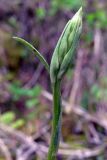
25	91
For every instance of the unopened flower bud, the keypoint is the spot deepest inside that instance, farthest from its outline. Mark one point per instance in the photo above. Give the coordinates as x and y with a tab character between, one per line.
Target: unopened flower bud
66	46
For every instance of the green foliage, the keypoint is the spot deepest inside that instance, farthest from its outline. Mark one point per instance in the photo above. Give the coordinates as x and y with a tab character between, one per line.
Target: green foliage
65	5
13	22
99	17
18	124
96	92
88	37
30	96
40	13
17	91
7	117
32	102
56	5
99	93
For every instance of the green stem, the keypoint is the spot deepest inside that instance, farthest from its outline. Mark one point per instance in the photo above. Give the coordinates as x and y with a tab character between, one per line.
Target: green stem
56	123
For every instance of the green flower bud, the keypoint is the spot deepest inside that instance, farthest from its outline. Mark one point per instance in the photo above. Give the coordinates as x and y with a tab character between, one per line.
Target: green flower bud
66	46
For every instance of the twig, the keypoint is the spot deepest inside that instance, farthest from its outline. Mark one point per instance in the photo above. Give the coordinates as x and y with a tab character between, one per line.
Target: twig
73	98
34	147
77	153
42	131
17	134
78	110
83	153
4	149
27	141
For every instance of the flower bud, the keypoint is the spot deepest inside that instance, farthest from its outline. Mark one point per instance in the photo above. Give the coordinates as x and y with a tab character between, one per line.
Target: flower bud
66	46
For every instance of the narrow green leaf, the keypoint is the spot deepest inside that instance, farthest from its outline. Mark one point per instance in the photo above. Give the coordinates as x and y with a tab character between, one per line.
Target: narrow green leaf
32	48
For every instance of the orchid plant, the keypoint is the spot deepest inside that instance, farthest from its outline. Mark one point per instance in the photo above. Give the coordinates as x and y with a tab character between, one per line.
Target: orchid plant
59	65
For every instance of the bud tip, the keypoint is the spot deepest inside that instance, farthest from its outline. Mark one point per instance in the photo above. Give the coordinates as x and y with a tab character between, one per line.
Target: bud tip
80	11
77	15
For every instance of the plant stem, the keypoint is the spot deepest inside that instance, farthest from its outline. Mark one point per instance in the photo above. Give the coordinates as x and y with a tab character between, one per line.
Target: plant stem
56	123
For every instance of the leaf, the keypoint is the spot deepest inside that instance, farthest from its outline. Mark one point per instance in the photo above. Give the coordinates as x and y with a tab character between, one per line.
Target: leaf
7	117
18	91
18	124
41	13
32	103
32	48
